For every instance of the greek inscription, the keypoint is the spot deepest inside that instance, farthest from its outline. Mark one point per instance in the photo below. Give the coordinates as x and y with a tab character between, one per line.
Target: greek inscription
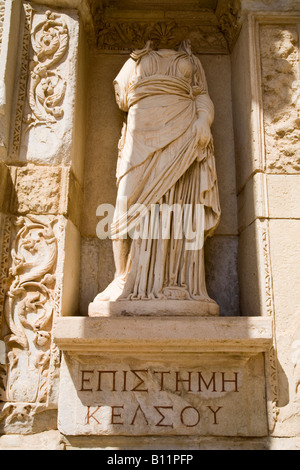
215	413
136	380
115	415
184	420
137	398
135	415
90	415
165	416
162	421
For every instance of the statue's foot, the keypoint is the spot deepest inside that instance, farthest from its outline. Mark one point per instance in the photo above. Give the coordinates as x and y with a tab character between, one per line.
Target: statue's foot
113	291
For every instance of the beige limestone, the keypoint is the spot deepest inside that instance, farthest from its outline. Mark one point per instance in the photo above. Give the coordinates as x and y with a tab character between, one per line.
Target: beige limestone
47	440
153	308
40	241
30	308
46	135
43	284
279	55
163	397
38	190
243	105
4	189
267	202
264	56
54	440
90	270
68	270
165	159
253	200
285	262
207	334
254	269
104	126
10	15
284	196
266	5
179	443
45	190
138	383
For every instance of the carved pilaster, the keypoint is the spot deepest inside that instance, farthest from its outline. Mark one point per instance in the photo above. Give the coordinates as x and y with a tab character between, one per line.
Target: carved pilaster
39	237
30	308
46	90
49	40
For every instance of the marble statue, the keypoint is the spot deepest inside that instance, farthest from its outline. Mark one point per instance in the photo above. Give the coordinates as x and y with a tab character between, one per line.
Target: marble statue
166	159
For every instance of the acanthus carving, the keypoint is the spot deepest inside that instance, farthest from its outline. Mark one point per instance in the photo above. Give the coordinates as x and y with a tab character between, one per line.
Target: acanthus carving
228	14
168	34
29	310
49	39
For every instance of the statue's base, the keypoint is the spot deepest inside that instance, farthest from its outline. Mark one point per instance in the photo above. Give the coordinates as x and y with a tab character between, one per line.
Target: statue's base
181	377
104	308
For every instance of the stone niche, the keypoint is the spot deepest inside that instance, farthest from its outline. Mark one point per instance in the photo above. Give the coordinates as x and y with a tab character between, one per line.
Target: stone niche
147	375
125	26
140	377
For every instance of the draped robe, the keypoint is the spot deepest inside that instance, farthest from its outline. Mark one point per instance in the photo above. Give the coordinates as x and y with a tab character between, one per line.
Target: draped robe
161	162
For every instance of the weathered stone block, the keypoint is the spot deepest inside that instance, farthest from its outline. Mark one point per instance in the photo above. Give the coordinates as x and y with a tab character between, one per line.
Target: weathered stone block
116	381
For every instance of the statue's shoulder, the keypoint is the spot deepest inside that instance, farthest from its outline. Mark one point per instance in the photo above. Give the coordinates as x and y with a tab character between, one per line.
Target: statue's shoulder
137	54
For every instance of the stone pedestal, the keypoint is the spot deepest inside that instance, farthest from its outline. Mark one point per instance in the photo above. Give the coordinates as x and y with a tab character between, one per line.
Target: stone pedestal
163	376
153	308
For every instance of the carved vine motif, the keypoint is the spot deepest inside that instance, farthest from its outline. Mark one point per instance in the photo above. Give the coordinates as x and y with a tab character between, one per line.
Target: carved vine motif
134	35
29	308
49	39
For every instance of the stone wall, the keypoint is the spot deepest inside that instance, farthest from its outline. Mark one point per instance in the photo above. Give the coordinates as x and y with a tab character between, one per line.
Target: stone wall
265	98
59	131
41	195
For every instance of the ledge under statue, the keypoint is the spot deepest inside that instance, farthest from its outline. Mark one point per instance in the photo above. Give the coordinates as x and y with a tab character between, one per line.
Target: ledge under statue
165	161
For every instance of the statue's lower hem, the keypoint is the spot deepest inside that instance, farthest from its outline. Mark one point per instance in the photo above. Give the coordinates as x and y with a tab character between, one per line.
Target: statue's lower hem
102	308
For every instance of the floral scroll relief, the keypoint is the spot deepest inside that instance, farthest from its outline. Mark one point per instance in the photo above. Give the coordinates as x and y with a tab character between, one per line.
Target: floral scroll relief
47	88
133	35
29	309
